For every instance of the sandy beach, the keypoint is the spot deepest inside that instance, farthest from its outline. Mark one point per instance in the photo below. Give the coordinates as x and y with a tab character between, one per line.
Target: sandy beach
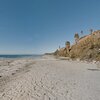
48	78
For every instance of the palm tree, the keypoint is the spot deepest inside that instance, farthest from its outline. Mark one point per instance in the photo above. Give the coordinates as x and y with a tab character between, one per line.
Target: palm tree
81	32
67	44
91	31
76	36
59	47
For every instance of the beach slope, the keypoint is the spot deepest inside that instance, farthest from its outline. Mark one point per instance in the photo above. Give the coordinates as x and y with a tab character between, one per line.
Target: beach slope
48	79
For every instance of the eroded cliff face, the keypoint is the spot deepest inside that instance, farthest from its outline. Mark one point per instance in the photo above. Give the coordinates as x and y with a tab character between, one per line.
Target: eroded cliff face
87	48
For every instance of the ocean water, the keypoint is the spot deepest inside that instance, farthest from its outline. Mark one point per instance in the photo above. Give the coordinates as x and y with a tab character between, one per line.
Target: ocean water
20	56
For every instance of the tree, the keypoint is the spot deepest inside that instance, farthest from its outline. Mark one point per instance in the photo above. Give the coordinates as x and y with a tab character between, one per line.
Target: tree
76	36
81	32
67	44
59	47
91	31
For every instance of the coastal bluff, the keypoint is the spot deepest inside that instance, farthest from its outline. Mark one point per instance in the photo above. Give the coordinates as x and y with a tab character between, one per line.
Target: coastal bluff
86	48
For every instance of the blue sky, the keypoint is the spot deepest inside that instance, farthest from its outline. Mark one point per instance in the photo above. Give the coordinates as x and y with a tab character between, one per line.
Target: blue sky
39	26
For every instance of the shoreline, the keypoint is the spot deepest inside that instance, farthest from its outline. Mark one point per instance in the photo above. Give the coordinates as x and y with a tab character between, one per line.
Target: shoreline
48	78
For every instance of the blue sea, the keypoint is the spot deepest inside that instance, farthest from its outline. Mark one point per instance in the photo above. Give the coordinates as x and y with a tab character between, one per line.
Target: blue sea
20	56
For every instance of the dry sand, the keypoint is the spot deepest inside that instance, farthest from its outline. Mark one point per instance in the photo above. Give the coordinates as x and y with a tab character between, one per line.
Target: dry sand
48	79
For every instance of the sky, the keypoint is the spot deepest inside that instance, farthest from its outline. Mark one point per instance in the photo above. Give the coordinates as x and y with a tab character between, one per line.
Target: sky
40	26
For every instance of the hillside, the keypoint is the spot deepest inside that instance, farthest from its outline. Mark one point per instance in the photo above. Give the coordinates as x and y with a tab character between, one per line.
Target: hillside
87	48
